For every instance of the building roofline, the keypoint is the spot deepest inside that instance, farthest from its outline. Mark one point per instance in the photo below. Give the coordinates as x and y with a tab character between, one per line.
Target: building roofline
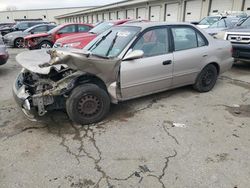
100	8
48	9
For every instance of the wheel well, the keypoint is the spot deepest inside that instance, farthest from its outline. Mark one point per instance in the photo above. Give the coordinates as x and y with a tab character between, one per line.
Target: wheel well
90	79
217	66
46	41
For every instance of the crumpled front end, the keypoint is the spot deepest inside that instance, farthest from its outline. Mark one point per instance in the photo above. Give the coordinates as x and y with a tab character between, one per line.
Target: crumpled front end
47	80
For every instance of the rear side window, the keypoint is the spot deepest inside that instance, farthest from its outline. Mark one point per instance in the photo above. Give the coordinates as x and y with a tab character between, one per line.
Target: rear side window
187	38
23	26
153	42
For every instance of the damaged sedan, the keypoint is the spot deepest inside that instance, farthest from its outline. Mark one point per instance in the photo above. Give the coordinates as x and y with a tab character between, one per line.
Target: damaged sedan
123	63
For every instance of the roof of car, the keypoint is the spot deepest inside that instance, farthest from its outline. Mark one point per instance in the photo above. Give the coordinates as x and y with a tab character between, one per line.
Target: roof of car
144	25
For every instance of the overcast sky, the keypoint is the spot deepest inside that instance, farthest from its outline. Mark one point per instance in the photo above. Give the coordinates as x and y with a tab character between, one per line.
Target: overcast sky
34	4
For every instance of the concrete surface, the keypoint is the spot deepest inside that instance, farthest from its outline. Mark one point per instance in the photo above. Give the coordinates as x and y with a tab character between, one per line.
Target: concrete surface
178	138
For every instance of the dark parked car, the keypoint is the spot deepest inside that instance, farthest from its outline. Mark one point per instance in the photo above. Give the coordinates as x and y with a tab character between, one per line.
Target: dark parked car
47	40
20	26
240	39
3	53
16	38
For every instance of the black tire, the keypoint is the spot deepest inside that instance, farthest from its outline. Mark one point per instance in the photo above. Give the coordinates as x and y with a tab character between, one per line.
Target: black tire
87	104
206	79
45	45
19	43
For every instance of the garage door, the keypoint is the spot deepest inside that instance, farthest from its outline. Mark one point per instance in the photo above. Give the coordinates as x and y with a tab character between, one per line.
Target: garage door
141	13
171	13
112	16
94	18
99	17
247	7
90	19
121	15
221	5
106	16
130	14
155	13
193	10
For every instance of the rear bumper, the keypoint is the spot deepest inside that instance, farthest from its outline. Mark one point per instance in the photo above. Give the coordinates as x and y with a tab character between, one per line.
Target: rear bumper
241	52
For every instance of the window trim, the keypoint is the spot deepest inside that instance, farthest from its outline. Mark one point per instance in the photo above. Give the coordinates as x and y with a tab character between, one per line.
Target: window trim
149	29
196	32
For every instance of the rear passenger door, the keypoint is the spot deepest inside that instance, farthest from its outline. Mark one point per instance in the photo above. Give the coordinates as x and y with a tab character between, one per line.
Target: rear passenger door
153	72
83	28
190	53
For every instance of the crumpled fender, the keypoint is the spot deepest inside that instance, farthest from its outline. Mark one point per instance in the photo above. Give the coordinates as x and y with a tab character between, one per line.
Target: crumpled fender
43	62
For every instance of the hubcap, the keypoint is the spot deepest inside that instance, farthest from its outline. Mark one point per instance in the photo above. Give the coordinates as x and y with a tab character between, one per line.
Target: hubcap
208	78
89	105
46	46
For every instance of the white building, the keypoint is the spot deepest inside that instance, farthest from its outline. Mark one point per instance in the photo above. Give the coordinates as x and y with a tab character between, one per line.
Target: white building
156	10
45	14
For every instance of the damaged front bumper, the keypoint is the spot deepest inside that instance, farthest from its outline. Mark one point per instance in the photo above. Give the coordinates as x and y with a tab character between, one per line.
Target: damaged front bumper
22	98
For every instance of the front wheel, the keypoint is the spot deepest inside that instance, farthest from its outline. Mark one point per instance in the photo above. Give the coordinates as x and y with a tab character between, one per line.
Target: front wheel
206	79
88	104
45	45
19	43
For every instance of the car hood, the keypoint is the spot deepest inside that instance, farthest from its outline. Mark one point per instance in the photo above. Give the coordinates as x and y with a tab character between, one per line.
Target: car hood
76	38
214	30
37	35
43	62
17	33
240	29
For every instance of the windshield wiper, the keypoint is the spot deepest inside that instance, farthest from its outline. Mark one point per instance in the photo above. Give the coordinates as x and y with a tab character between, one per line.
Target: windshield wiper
112	44
99	41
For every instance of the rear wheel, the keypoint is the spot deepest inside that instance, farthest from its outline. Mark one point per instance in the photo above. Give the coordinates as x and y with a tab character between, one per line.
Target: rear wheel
19	43
88	104
45	45
206	79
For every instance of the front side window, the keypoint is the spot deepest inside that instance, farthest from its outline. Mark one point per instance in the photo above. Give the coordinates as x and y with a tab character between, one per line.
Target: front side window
68	29
153	42
187	38
40	29
83	28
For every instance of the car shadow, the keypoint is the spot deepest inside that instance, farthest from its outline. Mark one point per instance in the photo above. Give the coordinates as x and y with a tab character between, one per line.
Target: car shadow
242	66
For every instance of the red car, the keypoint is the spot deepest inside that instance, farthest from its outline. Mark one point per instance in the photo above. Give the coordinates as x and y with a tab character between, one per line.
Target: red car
47	40
82	39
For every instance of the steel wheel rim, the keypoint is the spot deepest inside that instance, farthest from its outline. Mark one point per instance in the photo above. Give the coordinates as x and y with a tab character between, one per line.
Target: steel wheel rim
208	78
46	46
89	105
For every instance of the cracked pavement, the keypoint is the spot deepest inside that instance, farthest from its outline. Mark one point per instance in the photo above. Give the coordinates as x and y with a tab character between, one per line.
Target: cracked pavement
179	138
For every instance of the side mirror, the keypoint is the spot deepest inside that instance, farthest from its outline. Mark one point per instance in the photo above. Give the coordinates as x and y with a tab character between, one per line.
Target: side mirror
136	54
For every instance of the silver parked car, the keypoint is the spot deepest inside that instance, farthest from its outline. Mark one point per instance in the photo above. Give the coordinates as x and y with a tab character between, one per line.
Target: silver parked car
123	63
4	56
16	38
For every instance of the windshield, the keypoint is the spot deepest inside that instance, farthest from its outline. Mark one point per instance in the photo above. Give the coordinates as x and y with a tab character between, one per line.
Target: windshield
101	27
112	42
246	23
54	29
225	23
209	20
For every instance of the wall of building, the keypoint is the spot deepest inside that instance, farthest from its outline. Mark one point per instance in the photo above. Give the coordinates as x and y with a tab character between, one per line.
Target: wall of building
45	14
164	10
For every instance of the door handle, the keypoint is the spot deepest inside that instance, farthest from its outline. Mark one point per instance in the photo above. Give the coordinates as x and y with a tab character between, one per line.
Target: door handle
205	55
168	62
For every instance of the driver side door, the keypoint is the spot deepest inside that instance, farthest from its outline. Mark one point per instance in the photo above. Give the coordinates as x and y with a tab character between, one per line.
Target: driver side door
65	31
153	72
